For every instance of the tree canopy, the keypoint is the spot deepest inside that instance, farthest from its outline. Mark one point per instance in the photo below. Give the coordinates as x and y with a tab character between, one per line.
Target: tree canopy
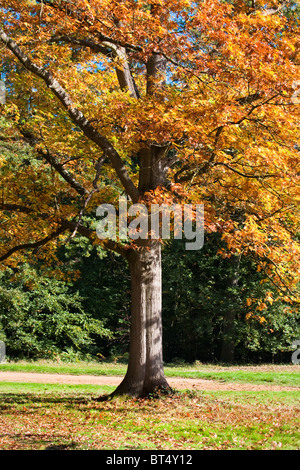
210	84
165	101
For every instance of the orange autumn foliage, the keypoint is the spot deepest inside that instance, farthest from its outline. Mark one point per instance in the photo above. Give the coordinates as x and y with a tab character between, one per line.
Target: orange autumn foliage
207	86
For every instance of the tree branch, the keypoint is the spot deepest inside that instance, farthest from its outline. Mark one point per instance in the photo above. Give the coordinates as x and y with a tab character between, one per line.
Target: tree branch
125	78
245	175
111	50
95	47
88	233
67	176
85	19
204	168
37	244
90	194
64	226
16	207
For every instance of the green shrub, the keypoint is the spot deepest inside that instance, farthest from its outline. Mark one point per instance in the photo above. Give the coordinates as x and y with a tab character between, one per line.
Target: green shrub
41	318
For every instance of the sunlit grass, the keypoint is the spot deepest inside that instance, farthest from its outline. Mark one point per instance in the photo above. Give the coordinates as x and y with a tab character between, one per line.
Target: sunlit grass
41	416
285	375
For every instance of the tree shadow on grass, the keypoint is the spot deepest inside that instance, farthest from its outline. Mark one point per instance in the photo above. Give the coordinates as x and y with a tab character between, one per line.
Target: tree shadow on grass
35	441
21	398
31	403
18	405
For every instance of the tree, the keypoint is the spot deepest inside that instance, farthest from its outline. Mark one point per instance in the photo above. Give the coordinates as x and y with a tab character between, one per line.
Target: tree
189	102
40	319
201	292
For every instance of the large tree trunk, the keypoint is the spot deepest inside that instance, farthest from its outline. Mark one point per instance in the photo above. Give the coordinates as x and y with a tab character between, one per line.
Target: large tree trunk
145	373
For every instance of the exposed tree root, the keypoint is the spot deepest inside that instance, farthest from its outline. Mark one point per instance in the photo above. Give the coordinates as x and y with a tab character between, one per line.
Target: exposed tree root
156	393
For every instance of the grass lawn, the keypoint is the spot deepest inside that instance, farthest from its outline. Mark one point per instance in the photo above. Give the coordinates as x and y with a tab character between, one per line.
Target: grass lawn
39	416
43	416
288	375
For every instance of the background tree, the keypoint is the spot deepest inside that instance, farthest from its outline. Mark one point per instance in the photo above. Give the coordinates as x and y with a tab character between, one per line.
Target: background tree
41	319
86	316
198	296
164	101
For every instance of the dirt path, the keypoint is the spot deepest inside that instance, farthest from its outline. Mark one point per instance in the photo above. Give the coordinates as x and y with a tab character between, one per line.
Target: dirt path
176	383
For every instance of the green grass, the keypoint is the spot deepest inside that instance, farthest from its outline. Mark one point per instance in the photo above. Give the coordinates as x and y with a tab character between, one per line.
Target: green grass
76	368
22	389
42	416
289	378
285	375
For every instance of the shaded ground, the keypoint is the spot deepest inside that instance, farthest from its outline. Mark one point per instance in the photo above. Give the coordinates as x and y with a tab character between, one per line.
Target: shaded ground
176	383
64	418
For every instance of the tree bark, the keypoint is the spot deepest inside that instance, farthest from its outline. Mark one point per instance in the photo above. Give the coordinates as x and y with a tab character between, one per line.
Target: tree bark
145	372
228	343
